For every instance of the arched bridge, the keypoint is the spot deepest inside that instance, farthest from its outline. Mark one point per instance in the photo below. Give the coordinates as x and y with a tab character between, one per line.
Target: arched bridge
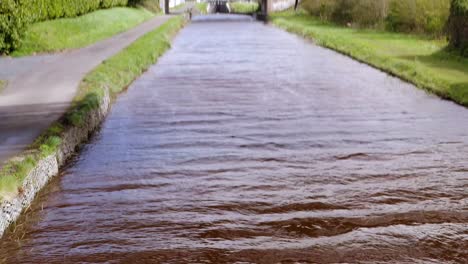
266	6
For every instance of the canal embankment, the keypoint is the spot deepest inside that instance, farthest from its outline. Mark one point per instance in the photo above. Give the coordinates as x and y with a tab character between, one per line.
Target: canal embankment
418	59
23	176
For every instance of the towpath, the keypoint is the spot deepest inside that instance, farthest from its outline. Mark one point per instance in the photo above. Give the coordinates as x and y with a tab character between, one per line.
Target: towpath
41	88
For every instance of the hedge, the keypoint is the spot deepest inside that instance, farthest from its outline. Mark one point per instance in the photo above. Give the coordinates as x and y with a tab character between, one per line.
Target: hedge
458	26
15	15
419	16
12	24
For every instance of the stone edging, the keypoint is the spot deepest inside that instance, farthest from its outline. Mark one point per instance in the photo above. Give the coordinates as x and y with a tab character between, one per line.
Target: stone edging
49	166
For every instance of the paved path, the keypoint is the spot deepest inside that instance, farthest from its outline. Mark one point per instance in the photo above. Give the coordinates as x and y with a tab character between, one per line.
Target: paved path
41	91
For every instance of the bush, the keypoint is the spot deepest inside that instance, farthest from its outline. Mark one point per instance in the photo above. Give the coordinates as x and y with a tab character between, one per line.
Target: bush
321	8
12	24
112	3
40	10
368	13
16	14
458	26
420	16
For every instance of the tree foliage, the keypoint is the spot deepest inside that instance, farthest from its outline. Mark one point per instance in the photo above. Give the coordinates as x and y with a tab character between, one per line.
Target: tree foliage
458	26
421	16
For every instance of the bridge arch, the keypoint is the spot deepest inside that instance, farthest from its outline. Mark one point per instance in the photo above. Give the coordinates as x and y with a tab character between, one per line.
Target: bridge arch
266	6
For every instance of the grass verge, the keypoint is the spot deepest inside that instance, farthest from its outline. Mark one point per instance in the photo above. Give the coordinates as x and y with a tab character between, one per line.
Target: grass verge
70	33
244	8
420	60
115	75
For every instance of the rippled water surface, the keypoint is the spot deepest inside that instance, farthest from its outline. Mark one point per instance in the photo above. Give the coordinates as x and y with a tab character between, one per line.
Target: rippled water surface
248	144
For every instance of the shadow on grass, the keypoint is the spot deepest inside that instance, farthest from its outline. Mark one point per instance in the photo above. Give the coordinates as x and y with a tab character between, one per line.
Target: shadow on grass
442	59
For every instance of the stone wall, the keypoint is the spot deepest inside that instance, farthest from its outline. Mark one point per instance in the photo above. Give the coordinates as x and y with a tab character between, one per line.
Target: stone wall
49	166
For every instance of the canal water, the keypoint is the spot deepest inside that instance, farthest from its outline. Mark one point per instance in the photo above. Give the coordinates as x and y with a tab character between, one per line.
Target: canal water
246	144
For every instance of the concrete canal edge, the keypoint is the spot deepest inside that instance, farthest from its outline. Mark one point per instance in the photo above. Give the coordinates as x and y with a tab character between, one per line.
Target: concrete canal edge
72	136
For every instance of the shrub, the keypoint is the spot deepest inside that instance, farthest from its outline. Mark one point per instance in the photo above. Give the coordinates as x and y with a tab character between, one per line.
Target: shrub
320	8
367	13
458	26
370	13
12	24
112	3
421	16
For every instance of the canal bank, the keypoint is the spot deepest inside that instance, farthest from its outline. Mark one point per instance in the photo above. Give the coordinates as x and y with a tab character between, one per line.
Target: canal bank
25	175
258	155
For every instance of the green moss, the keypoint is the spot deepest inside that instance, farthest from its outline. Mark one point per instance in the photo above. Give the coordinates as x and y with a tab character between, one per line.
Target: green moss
114	74
417	59
70	33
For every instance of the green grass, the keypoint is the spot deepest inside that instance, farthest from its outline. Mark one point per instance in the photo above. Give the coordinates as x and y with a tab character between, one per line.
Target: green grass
70	33
115	74
243	7
420	60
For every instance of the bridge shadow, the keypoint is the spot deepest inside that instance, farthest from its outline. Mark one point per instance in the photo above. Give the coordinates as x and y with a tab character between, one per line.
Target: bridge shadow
444	59
446	63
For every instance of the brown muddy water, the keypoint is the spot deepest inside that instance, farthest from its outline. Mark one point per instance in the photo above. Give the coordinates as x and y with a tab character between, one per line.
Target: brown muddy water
246	144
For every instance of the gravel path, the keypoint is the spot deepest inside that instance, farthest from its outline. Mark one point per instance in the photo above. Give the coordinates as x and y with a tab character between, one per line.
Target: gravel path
40	88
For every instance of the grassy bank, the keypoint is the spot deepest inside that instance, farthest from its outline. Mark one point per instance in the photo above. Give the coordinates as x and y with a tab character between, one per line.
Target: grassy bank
69	33
115	74
243	7
417	59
